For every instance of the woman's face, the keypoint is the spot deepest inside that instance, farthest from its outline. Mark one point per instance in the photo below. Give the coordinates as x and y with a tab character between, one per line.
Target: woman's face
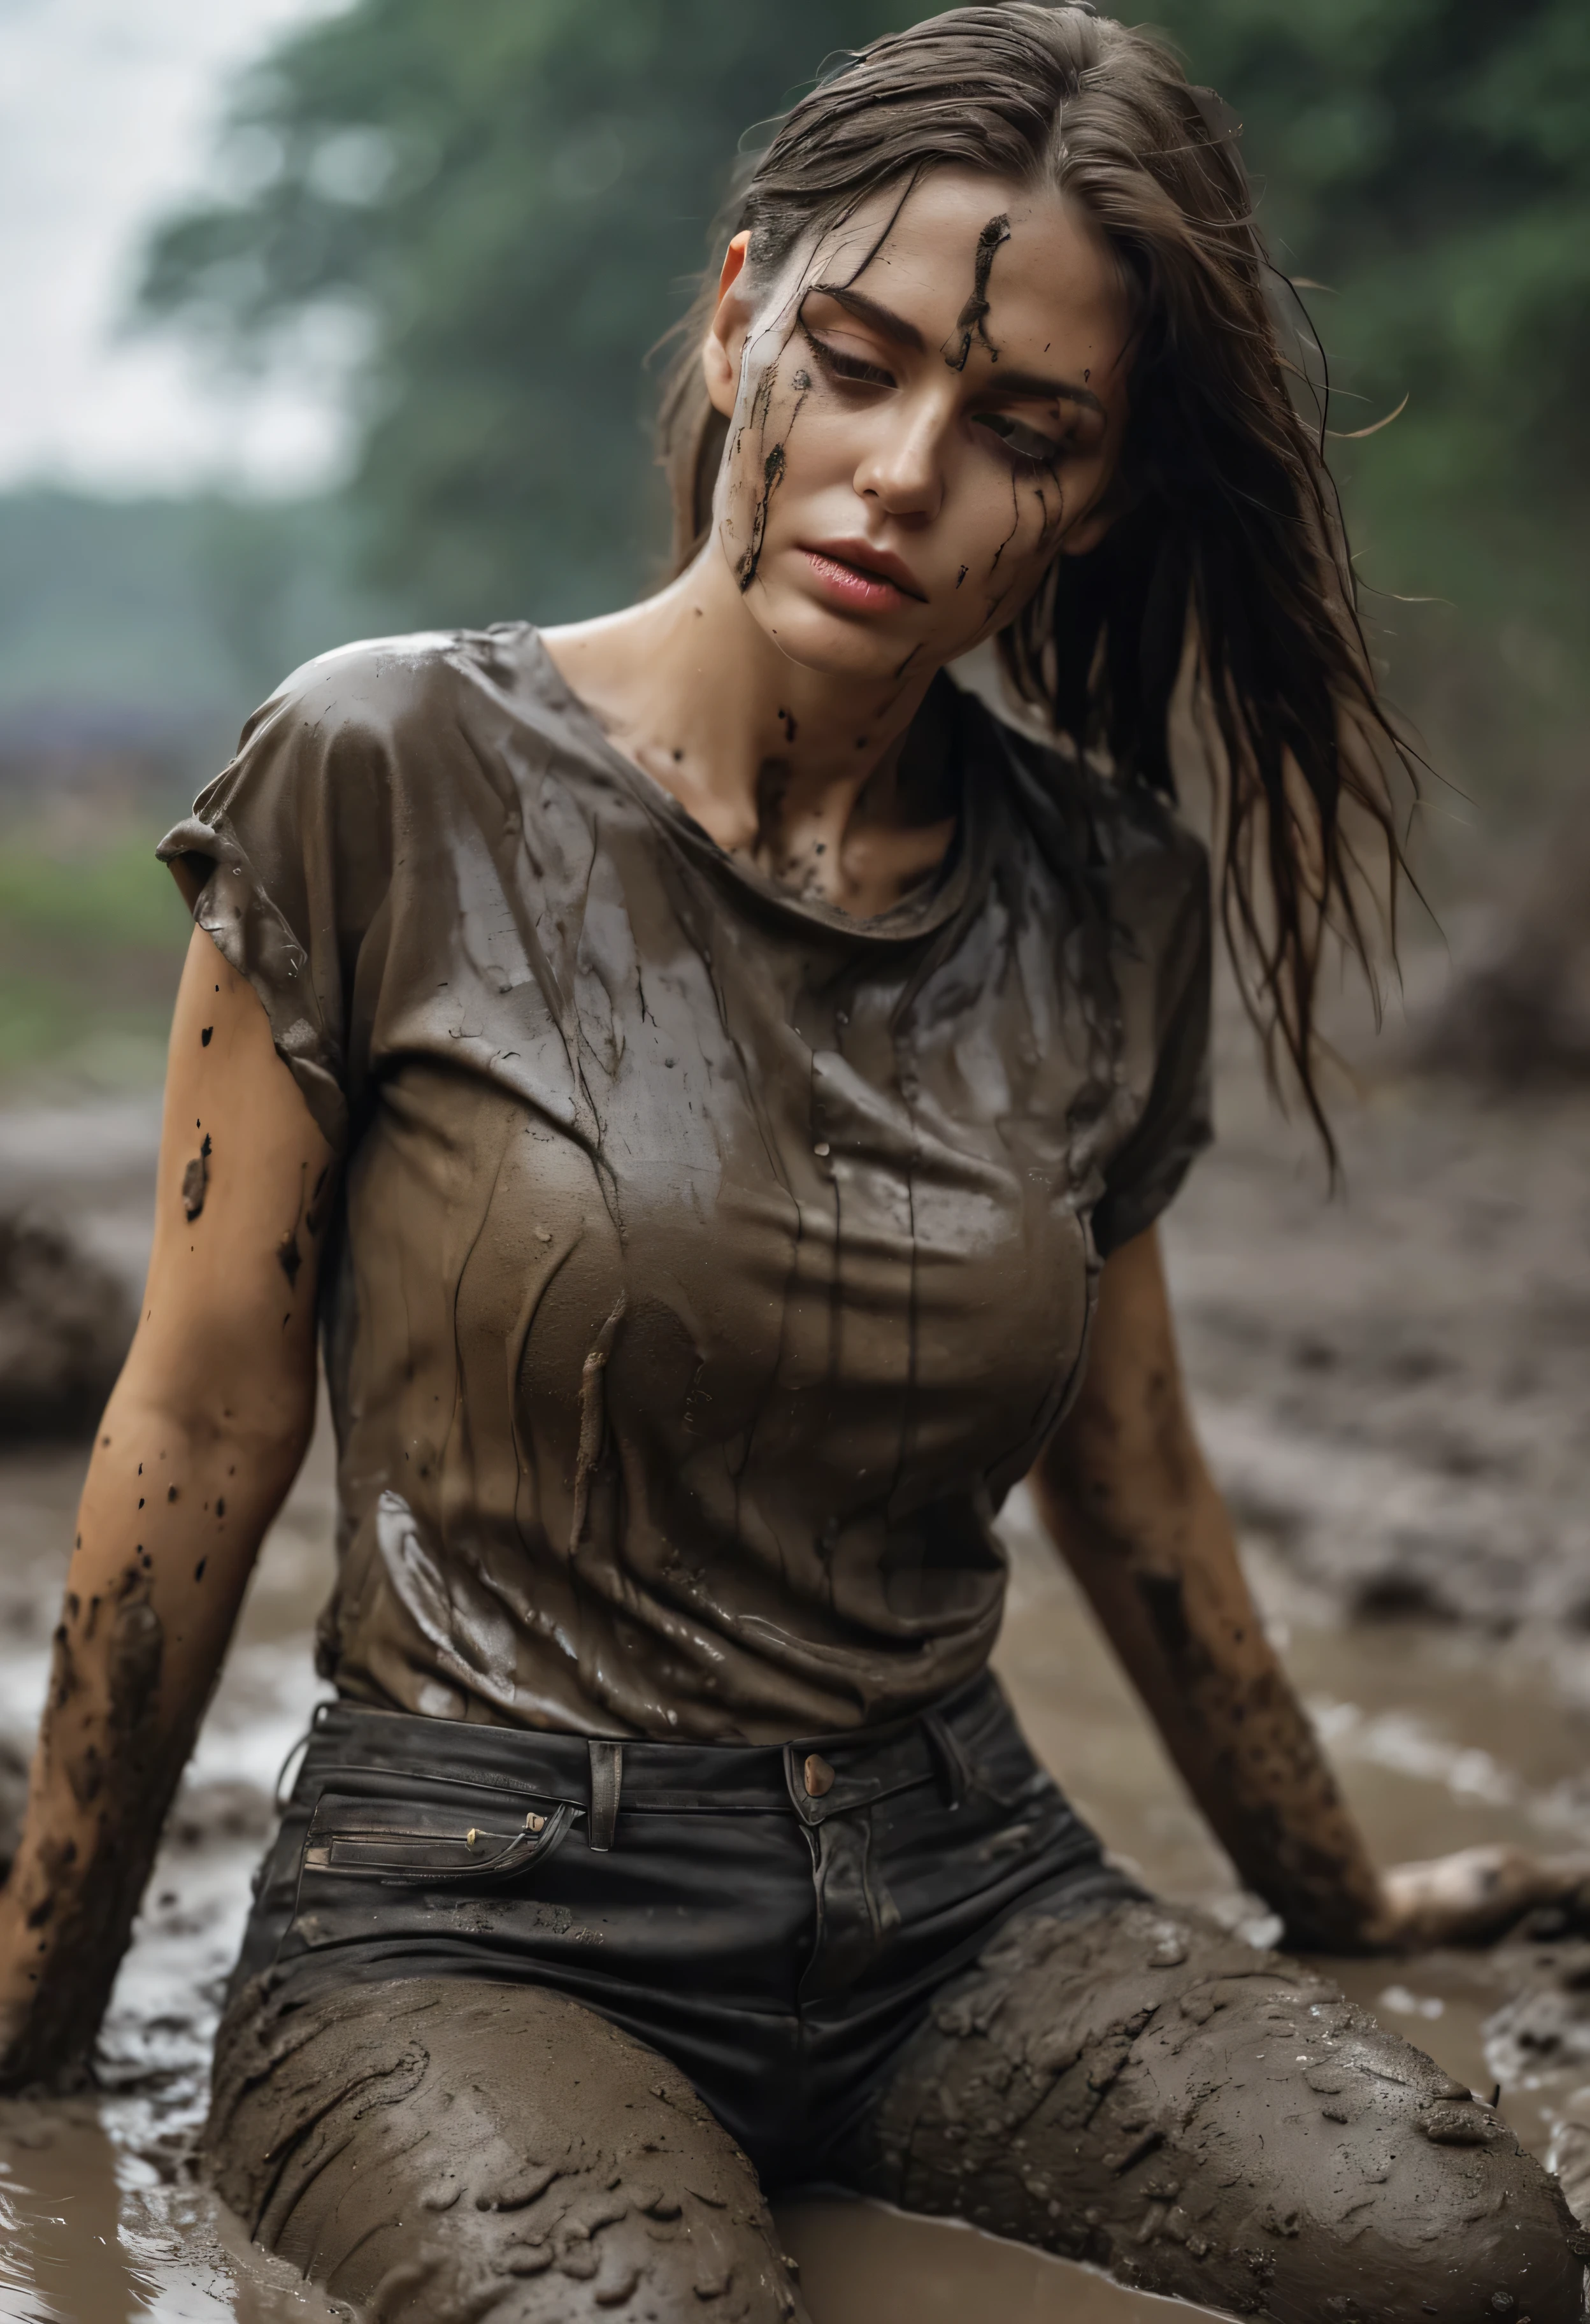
924	410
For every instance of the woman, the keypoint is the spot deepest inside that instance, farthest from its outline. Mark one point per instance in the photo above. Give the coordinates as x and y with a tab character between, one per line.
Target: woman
713	1081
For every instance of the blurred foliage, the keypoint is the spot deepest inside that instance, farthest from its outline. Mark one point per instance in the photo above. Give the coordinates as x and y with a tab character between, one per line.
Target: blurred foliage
135	636
1429	161
163	621
92	934
49	891
511	196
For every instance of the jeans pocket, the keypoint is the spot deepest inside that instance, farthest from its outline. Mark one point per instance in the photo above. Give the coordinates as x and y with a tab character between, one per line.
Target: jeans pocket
397	1844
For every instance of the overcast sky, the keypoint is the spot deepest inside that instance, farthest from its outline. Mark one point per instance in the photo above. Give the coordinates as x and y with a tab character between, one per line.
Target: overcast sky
107	113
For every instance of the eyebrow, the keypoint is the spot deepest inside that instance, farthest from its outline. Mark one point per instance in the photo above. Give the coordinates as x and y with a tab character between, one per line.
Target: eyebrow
883	319
1046	390
890	325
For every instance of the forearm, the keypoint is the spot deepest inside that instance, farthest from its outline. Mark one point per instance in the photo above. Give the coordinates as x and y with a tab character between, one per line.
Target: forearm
1172	1600
172	1516
201	1439
1135	1512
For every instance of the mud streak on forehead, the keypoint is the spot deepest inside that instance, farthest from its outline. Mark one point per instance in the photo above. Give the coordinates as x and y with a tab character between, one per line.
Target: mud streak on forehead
972	321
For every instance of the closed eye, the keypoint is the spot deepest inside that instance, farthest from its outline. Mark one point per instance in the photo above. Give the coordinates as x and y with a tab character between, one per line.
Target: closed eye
840	364
1029	446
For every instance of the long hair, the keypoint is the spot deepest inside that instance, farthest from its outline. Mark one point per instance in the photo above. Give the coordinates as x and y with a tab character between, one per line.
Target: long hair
1230	544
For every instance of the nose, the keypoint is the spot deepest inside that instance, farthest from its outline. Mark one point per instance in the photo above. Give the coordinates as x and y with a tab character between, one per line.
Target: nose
903	466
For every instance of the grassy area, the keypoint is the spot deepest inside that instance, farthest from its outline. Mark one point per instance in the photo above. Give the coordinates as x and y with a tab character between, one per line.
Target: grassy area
92	934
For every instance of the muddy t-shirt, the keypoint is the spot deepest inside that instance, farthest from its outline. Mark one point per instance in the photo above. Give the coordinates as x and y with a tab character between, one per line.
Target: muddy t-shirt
708	1263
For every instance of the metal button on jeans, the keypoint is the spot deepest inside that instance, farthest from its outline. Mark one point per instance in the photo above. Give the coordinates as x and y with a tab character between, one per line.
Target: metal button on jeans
819	1776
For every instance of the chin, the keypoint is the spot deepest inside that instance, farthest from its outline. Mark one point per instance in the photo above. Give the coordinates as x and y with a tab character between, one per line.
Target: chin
833	645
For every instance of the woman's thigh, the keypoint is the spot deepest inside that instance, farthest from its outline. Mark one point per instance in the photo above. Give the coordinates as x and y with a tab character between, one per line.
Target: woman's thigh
465	2154
1138	2089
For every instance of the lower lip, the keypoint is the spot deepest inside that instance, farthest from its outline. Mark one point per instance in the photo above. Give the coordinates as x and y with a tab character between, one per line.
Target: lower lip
857	591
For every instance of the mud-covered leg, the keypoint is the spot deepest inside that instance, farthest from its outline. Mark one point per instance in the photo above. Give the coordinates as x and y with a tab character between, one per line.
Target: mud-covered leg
1137	2088
438	2151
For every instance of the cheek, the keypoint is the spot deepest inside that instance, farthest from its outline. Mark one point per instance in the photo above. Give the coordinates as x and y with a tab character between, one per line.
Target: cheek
1010	526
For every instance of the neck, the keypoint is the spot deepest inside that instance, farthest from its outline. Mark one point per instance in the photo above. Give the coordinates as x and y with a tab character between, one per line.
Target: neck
798	769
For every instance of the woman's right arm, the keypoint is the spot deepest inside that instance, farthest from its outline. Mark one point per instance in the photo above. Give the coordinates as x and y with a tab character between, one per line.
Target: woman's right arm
203	1433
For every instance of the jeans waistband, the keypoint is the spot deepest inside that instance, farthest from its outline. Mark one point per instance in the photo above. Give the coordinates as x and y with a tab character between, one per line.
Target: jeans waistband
817	1777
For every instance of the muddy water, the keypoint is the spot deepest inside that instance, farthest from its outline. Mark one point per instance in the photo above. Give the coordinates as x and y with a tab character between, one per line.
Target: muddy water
1443	1741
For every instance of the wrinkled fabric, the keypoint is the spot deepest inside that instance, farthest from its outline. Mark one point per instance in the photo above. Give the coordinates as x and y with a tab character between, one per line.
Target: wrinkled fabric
708	1264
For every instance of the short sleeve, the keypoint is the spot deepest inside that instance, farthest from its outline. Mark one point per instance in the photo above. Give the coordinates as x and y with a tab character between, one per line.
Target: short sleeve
1164	955
285	863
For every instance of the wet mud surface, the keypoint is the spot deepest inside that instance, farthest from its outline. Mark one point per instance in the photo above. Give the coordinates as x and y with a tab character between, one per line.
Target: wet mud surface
1390	1390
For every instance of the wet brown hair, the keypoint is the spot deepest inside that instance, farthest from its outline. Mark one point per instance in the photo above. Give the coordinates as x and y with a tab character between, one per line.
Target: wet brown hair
1230	534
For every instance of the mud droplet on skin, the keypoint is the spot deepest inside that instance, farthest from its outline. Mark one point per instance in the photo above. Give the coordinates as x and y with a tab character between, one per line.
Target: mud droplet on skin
289	1259
203	1039
195	1184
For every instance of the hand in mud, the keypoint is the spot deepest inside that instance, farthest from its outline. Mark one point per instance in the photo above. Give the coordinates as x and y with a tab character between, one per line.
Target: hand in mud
1474	1896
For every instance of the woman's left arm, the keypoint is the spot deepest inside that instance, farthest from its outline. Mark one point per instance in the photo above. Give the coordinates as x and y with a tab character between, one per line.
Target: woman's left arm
1124	1489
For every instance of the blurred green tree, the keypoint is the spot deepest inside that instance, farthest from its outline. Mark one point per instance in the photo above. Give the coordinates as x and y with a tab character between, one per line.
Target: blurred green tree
508	197
511	198
1428	163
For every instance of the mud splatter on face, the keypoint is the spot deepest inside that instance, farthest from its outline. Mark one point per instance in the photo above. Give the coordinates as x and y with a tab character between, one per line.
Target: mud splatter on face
751	557
1015	529
773	466
973	321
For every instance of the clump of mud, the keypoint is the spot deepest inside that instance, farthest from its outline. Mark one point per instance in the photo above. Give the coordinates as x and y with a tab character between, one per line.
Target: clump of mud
66	1322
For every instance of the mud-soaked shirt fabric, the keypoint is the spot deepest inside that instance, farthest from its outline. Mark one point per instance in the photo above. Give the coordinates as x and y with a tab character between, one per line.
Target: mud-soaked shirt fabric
707	1263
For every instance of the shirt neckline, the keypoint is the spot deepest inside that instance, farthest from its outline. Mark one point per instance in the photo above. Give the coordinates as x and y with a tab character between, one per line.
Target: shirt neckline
928	906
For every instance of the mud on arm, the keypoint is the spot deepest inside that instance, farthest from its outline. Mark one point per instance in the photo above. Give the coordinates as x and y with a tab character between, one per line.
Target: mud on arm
1123	1491
203	1434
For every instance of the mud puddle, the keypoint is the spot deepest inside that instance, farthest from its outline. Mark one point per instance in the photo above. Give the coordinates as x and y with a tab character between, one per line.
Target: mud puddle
1443	1739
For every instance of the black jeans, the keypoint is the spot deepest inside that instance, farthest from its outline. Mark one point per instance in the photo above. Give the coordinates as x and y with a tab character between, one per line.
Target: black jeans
776	1921
504	1997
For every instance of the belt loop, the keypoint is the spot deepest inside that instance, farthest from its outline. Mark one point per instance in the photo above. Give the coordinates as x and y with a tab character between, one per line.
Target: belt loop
607	1778
282	1790
954	1774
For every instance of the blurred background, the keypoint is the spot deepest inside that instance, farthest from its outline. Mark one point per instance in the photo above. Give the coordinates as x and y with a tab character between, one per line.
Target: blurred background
328	319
